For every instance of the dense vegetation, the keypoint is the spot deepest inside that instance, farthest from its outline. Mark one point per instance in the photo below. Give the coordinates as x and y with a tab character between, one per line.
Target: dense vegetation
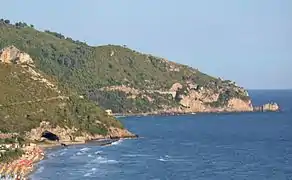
86	68
24	103
225	96
137	105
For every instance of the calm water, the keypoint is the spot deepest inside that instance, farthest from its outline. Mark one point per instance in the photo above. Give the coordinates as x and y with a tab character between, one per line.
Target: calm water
212	147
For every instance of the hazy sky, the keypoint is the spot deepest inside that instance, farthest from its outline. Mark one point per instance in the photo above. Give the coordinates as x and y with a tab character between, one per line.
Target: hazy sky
248	41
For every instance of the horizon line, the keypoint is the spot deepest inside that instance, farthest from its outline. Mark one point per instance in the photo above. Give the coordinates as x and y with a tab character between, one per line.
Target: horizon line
281	89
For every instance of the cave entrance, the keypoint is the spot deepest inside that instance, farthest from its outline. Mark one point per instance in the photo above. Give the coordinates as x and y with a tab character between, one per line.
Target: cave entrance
50	136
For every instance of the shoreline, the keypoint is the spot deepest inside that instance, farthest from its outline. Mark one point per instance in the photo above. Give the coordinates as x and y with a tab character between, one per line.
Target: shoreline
21	167
97	142
119	115
268	107
37	154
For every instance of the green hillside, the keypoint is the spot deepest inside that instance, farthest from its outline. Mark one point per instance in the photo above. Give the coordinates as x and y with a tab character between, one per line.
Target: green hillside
87	69
25	102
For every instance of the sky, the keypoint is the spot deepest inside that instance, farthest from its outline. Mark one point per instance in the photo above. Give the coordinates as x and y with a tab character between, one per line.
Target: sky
247	41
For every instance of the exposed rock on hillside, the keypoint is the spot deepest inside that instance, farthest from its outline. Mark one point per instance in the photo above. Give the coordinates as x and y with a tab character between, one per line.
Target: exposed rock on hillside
11	55
236	104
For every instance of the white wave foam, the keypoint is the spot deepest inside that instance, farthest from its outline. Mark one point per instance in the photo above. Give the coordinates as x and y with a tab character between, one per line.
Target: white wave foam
62	153
109	161
98	152
167	158
91	172
93	169
82	151
117	142
87	174
161	159
102	160
85	149
136	155
79	153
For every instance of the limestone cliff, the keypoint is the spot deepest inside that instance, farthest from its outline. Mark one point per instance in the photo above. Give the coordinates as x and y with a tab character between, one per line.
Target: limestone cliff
228	98
189	97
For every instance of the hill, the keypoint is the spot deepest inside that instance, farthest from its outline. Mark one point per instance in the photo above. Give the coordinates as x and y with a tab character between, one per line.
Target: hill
122	79
31	102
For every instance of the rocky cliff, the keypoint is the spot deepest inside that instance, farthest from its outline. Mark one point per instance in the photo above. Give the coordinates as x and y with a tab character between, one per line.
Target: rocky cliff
32	102
189	97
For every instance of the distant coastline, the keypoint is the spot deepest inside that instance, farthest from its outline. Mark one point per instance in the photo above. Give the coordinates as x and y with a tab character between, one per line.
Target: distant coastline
121	115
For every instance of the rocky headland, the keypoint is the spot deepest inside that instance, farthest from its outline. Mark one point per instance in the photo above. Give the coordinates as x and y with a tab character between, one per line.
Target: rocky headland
121	79
52	83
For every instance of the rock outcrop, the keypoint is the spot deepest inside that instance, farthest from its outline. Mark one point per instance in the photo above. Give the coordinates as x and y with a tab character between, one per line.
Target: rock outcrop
68	135
119	133
272	107
12	55
175	87
199	99
236	105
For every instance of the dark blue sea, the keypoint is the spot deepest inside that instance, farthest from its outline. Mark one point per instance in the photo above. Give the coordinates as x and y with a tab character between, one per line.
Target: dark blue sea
239	146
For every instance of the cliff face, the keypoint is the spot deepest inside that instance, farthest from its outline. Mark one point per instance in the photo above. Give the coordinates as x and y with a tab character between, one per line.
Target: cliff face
188	98
31	102
210	100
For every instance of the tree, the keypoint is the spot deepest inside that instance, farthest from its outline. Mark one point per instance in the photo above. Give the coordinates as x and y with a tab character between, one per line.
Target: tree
32	26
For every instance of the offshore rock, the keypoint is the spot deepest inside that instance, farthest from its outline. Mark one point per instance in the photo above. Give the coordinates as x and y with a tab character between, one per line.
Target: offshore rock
269	107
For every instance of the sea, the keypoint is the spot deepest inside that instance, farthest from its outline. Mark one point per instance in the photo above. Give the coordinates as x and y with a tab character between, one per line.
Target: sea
237	146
